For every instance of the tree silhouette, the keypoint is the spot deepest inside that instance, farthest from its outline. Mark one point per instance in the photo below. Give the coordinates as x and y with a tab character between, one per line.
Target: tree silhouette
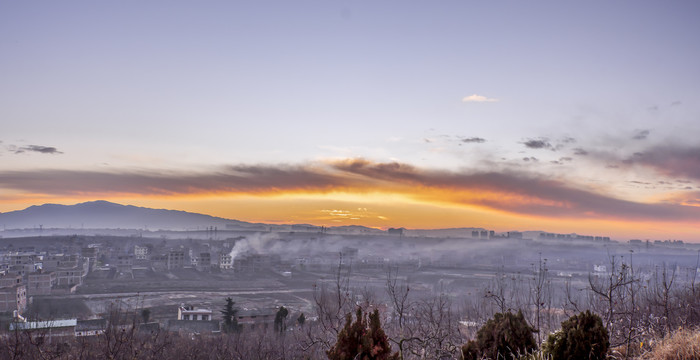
582	337
145	315
229	315
363	339
281	319
504	335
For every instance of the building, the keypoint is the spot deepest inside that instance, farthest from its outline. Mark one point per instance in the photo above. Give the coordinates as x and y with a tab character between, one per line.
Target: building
256	317
225	261
9	280
203	262
23	264
69	276
90	254
52	328
193	327
124	263
41	282
255	262
396	231
92	327
514	235
188	312
13	298
191	320
141	252
53	262
176	259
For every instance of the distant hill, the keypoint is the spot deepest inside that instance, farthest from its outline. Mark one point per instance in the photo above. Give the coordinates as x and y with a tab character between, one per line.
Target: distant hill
102	214
108	215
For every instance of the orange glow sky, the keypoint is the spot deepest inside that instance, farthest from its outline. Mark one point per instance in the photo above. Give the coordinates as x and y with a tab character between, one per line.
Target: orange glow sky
381	196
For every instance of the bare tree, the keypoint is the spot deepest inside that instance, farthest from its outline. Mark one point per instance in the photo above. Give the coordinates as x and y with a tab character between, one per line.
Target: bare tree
540	294
660	296
398	291
332	301
609	296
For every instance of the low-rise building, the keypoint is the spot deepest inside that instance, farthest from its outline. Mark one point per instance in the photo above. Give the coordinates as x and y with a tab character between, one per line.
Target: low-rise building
203	262
51	328
256	317
41	282
124	263
69	276
53	262
176	259
225	261
141	252
193	327
23	263
9	280
93	327
13	298
188	312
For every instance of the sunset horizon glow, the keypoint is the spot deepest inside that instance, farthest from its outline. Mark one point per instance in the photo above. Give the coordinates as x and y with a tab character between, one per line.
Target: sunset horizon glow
361	192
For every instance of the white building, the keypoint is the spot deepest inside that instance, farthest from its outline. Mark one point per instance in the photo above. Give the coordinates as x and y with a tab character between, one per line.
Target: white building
140	252
191	313
225	261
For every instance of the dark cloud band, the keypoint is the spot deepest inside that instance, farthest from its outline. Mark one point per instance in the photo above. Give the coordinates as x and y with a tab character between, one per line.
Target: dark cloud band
35	148
514	192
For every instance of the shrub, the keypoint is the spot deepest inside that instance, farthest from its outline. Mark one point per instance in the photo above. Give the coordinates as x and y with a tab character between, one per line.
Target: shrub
682	345
362	339
582	336
504	336
470	351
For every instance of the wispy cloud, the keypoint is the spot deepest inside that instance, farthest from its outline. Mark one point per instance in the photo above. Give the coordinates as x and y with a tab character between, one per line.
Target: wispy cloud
34	148
478	98
562	160
641	135
671	160
510	191
472	140
541	143
546	143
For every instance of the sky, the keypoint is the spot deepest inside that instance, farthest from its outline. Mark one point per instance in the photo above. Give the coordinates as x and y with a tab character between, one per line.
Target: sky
571	117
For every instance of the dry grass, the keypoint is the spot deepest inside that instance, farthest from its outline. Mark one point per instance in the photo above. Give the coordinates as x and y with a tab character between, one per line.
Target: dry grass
682	345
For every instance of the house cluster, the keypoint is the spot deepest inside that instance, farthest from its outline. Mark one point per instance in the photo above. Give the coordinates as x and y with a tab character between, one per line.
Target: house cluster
648	243
553	236
189	320
28	273
214	255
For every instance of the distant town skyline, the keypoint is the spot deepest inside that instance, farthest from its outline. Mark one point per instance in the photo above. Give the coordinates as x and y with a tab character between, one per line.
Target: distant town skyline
543	115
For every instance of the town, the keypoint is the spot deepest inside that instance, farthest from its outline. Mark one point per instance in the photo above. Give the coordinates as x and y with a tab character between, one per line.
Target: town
179	281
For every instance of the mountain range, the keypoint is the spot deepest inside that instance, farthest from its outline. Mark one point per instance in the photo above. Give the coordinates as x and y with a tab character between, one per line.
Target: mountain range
107	215
102	214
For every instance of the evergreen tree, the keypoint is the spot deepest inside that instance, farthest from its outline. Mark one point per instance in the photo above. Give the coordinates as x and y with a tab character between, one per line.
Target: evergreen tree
582	337
363	339
229	314
281	319
504	335
145	315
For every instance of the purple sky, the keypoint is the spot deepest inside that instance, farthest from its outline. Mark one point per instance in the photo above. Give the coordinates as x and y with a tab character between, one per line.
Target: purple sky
599	95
